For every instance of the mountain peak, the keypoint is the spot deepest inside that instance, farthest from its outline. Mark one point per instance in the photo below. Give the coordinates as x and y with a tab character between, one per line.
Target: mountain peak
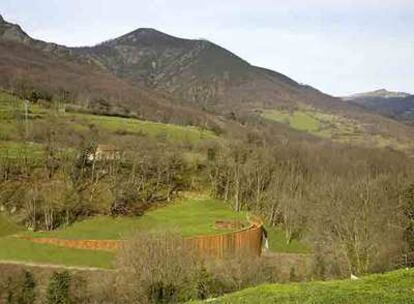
148	31
14	32
147	36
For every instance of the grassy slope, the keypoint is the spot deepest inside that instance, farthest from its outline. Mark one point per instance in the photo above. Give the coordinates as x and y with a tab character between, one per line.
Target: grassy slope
391	288
277	242
7	227
12	249
334	127
12	124
189	218
297	120
117	124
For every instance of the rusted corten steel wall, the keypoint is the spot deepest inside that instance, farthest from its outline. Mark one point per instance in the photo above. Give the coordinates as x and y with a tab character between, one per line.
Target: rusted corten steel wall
246	241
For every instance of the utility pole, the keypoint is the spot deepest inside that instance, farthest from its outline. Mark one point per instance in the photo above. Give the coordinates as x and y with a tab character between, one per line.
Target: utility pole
26	117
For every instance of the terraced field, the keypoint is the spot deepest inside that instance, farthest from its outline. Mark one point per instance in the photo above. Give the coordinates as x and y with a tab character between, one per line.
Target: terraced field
187	217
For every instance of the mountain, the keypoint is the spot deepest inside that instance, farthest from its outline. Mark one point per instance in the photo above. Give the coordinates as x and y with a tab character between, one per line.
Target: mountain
398	105
49	69
152	75
197	71
381	93
203	74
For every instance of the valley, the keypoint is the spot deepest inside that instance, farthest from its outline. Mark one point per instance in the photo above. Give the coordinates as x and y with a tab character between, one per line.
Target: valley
150	168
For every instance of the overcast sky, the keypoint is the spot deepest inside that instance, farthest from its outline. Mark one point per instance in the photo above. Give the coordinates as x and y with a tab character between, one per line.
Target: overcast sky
338	46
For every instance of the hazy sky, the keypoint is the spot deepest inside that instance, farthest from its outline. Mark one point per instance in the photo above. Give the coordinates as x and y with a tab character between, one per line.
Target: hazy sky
338	46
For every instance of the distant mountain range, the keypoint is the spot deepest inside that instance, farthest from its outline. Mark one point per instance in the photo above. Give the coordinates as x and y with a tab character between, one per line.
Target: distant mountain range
398	105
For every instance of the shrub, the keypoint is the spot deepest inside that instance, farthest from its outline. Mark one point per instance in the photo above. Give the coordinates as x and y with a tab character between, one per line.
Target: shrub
162	268
58	288
20	288
156	268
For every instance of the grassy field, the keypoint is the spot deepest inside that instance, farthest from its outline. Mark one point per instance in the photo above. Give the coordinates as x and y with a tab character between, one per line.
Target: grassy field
334	127
13	249
188	218
135	126
298	120
391	288
7	227
13	125
13	149
277	242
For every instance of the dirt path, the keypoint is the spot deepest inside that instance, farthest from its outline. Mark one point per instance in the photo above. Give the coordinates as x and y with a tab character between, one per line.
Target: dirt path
54	266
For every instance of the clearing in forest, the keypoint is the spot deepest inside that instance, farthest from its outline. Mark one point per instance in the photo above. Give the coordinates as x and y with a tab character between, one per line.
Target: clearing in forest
335	127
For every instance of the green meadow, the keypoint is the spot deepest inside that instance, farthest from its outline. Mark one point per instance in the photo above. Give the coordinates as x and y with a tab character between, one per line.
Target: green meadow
331	126
189	217
17	250
13	124
8	227
390	288
135	126
277	242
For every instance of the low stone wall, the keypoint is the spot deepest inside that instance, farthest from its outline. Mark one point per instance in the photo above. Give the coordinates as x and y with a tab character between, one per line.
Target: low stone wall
107	245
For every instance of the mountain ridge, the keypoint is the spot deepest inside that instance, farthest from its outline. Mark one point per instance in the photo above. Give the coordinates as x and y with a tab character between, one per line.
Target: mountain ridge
382	93
29	65
397	105
197	71
156	76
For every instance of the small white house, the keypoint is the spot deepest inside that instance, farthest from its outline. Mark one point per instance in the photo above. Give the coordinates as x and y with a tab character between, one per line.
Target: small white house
105	153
